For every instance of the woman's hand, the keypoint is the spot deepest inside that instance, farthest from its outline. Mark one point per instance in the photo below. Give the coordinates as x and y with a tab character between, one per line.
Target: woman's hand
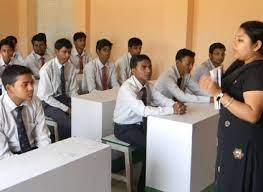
209	86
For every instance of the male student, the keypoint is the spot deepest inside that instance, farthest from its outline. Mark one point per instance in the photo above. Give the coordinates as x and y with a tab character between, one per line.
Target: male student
135	102
173	82
17	57
6	52
57	85
123	63
100	74
216	58
79	56
22	120
39	56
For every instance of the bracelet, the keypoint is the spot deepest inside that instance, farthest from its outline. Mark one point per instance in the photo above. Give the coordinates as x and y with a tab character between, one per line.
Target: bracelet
229	102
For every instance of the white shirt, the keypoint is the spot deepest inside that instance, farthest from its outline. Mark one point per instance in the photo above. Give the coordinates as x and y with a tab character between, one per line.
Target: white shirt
202	69
18	57
50	84
130	109
33	61
34	121
92	76
123	67
74	58
167	85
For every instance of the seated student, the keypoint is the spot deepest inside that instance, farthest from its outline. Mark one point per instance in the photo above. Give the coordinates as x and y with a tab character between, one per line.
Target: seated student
173	83
134	102
39	56
56	86
6	52
22	120
123	63
216	58
48	50
79	56
100	74
18	59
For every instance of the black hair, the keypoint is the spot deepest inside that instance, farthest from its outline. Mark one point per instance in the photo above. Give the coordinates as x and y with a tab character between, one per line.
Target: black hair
60	43
184	53
7	42
102	43
216	46
11	73
39	37
254	29
12	38
134	42
79	35
137	58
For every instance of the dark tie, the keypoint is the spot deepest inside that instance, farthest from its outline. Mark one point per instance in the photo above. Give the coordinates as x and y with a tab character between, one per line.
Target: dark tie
179	82
42	61
62	78
144	95
80	63
104	79
21	130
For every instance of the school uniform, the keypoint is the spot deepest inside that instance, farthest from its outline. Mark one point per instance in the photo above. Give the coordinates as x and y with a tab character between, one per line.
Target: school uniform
123	67
133	104
172	85
97	76
35	62
22	128
202	69
56	86
18	57
79	60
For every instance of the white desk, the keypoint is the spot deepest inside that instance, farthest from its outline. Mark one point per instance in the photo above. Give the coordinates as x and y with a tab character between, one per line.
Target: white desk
70	165
181	150
92	114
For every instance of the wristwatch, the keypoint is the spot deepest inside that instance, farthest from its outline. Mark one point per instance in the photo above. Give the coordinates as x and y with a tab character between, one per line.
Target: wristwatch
219	96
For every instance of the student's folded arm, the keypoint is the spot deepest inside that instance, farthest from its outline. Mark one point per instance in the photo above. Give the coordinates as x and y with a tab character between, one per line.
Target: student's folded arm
138	107
41	131
45	92
202	97
4	148
158	99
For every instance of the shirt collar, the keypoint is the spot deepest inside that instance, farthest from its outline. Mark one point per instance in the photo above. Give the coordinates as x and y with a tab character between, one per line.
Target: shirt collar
210	63
74	52
58	63
11	106
137	83
176	71
100	63
129	55
2	61
37	56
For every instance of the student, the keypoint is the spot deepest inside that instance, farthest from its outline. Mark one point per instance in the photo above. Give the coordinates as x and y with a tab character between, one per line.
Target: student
39	56
100	74
173	83
79	57
48	49
18	59
57	85
134	102
22	120
6	52
216	58
123	63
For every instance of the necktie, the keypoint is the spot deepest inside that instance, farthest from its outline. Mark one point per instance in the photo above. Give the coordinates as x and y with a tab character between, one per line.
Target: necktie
144	95
80	63
42	61
62	78
179	82
104	79
21	130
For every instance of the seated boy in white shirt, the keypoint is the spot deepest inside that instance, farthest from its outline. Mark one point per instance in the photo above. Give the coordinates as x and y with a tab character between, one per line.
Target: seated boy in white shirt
22	120
137	100
123	63
17	57
79	56
39	56
100	74
57	85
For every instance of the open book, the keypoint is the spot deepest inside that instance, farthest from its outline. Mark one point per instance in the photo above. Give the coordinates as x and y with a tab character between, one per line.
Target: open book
216	75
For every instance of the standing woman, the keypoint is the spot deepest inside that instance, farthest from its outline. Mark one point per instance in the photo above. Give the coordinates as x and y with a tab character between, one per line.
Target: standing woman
239	166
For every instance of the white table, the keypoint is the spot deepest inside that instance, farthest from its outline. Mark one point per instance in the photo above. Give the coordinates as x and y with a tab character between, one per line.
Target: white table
70	165
92	114
181	150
